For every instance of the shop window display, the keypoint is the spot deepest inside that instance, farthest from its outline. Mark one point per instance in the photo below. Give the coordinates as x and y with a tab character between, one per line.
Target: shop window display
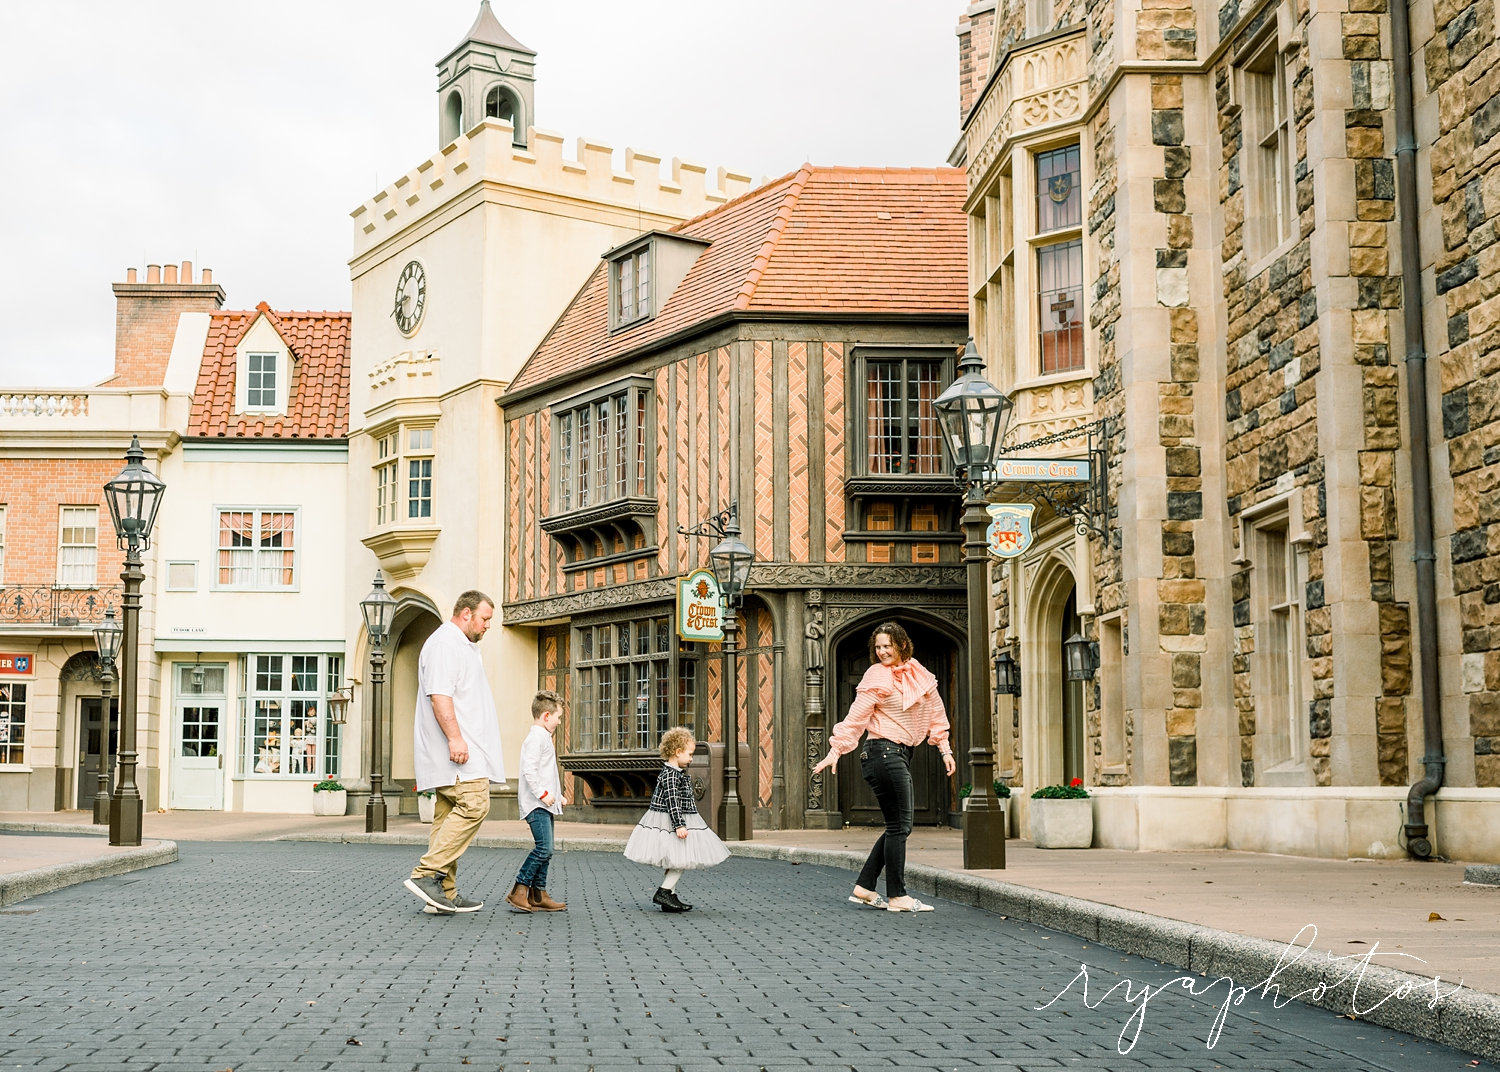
287	731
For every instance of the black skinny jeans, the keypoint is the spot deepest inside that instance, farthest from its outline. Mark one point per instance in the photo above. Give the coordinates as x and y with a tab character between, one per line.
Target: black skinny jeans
886	767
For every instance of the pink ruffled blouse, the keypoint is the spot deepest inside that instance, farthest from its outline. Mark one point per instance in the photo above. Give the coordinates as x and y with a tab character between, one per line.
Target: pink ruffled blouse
898	703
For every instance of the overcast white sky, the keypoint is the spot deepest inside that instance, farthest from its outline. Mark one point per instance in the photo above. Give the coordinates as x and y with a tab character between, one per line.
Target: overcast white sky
240	135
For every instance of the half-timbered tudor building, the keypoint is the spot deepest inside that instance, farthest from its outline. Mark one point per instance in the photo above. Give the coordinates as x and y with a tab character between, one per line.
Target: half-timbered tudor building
780	353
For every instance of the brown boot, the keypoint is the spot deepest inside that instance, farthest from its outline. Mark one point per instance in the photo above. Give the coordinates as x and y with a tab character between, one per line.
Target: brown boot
517	898
541	901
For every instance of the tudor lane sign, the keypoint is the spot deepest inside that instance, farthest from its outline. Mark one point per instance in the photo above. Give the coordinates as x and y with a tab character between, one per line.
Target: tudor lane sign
1009	533
698	607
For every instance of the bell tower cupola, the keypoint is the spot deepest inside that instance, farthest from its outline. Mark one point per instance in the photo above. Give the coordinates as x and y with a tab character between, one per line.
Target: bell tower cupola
489	75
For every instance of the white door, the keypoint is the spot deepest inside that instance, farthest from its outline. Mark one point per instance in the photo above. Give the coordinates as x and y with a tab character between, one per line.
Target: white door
198	730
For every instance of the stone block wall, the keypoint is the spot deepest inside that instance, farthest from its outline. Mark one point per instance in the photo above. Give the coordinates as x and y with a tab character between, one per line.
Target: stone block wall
1461	62
1316	320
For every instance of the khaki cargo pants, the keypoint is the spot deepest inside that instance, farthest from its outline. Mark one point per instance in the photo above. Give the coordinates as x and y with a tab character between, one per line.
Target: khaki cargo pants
457	811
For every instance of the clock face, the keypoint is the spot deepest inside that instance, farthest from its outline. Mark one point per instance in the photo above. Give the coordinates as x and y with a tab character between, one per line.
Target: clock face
411	298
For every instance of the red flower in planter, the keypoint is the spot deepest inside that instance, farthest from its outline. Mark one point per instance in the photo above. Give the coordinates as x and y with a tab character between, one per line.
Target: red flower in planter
1076	781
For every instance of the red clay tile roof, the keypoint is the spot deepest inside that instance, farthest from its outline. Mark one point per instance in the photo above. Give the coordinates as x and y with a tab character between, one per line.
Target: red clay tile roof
820	240
317	397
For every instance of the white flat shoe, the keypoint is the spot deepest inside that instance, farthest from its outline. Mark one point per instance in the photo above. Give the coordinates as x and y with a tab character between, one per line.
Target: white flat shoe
915	906
872	901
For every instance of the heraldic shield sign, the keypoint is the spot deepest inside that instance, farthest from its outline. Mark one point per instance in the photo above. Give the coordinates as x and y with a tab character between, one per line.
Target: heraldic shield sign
1009	533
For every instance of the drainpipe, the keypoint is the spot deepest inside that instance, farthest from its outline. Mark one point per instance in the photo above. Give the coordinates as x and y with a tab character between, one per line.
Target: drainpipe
1418	843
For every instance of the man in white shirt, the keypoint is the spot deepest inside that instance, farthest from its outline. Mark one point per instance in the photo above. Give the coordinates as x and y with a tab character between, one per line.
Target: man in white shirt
540	797
456	748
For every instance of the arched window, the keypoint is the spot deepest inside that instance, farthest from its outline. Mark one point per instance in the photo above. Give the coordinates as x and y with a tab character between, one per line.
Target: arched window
453	116
501	103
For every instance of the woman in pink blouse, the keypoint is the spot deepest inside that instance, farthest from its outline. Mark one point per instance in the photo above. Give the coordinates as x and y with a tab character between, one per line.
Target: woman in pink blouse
898	706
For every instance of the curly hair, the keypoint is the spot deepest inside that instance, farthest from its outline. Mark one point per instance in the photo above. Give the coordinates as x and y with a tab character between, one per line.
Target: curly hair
899	640
675	740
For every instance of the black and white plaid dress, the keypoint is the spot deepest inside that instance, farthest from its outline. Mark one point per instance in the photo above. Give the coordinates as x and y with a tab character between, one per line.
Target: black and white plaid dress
654	840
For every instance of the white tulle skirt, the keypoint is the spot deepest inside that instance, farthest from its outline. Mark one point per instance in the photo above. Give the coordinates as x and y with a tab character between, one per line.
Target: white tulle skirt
654	842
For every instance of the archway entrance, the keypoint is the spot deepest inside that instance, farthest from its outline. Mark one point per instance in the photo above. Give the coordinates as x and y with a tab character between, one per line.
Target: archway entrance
931	788
1054	733
413	624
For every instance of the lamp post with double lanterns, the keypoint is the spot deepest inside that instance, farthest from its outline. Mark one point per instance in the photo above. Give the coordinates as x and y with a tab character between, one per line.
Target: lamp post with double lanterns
107	639
731	559
134	496
974	414
379	609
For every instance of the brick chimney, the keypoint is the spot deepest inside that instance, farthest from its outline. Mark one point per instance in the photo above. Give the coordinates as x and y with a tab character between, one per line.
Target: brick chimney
146	319
976	38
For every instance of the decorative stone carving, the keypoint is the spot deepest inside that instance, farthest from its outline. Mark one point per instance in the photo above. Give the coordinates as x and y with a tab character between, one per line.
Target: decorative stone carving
657	590
951	608
814	781
855	575
813	641
1037	87
839	575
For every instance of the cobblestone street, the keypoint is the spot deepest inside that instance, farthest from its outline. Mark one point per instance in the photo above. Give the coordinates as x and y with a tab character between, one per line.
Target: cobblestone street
282	955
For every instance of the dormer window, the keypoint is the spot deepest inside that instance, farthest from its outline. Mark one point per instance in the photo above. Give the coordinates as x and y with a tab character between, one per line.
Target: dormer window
645	271
260	385
630	287
263	368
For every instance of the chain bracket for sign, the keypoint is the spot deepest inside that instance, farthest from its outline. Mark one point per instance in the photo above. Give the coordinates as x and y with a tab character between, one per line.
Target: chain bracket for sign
1084	502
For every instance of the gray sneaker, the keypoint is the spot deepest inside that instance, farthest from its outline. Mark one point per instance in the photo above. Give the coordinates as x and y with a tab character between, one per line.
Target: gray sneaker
430	889
460	904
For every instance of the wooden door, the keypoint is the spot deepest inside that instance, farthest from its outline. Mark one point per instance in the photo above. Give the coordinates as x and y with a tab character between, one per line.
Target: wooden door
930	789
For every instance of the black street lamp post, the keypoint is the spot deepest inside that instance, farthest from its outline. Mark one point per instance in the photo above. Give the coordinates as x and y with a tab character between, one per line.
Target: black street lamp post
378	608
731	559
974	414
107	640
134	497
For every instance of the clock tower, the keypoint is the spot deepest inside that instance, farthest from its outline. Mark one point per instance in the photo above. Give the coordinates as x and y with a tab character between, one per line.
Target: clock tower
459	268
490	75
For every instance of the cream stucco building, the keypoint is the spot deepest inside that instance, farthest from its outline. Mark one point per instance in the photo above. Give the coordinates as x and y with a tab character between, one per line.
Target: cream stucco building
459	268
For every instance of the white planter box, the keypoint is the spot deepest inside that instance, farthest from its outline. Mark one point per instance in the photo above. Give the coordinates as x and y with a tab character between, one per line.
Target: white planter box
1062	824
425	804
330	802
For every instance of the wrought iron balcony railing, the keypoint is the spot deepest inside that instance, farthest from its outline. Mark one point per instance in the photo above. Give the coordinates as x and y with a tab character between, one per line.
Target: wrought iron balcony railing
57	605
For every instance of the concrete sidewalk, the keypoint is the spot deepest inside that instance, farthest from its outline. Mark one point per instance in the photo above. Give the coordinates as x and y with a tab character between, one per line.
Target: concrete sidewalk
1214	912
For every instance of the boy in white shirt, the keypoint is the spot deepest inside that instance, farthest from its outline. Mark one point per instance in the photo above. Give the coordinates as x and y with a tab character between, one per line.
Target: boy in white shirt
540	798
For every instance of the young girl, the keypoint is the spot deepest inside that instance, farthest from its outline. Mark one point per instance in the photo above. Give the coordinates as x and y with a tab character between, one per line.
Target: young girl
672	835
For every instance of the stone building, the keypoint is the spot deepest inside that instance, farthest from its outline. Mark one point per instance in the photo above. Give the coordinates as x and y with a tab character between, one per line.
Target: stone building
1197	222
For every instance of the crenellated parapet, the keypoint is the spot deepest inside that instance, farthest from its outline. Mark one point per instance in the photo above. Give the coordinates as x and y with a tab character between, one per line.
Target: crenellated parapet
487	155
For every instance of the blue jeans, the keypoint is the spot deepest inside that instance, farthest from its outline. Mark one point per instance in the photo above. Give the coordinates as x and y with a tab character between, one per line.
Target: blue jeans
886	767
534	869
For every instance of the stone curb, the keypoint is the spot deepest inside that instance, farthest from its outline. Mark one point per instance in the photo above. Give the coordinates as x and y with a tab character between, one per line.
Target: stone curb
20	885
56	828
1482	875
1236	967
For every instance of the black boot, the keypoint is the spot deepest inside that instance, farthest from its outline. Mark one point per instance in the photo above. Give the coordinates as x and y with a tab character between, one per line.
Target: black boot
668	901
